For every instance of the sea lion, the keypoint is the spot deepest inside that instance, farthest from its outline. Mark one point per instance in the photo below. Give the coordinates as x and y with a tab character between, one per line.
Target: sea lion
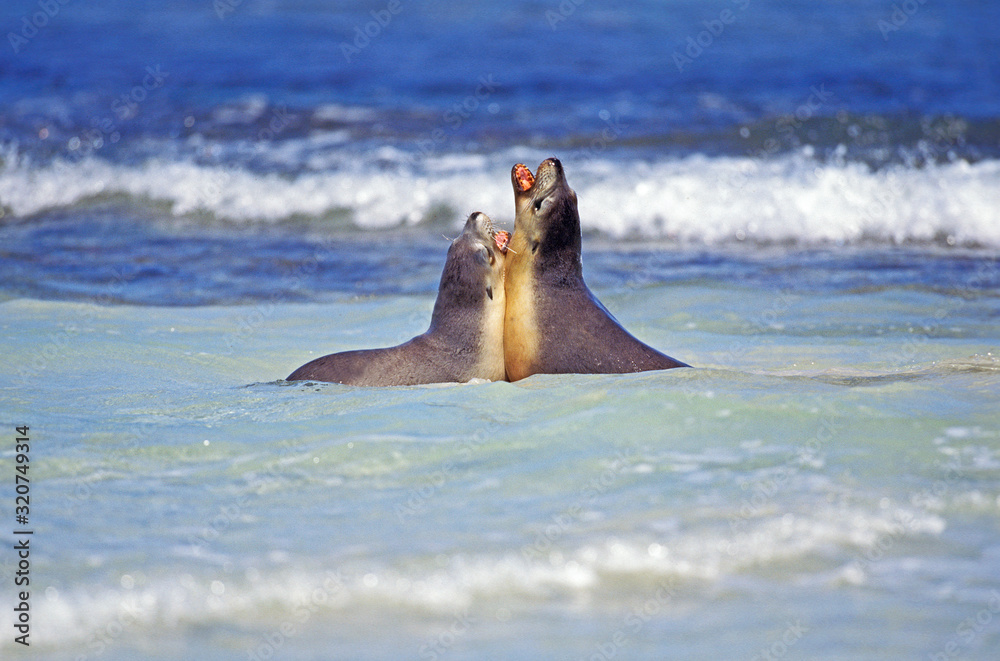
465	338
553	323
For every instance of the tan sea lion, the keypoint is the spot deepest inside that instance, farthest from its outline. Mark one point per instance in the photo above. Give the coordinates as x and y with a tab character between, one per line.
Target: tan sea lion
554	324
465	338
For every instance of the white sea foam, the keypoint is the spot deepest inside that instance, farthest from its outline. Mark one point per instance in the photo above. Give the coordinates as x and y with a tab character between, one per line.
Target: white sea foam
697	198
590	573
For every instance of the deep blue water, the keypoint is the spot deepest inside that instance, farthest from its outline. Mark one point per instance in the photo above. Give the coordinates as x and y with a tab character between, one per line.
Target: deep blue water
370	115
547	79
90	257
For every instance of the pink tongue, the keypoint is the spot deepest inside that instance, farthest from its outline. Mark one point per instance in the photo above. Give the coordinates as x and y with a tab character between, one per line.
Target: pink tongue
524	177
502	238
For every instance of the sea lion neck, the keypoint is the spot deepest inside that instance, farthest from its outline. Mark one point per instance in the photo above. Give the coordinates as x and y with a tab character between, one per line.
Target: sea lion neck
559	223
557	236
457	288
471	279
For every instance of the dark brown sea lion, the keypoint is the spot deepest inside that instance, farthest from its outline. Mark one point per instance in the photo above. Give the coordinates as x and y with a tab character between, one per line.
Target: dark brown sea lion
553	323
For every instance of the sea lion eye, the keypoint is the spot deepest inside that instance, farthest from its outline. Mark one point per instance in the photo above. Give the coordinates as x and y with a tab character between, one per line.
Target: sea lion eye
484	254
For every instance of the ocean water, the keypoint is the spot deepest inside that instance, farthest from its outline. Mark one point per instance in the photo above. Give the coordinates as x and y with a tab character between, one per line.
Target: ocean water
799	199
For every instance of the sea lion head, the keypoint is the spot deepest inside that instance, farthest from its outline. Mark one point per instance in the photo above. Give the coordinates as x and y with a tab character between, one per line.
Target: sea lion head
545	208
473	271
547	221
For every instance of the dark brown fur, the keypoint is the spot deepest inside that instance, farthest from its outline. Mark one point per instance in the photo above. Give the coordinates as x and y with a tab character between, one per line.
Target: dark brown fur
572	332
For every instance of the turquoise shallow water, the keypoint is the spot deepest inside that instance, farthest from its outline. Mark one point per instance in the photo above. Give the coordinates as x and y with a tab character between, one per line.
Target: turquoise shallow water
824	485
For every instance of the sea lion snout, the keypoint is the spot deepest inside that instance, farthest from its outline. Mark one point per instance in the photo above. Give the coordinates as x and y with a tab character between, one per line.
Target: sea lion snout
549	176
549	172
481	227
551	164
547	186
481	224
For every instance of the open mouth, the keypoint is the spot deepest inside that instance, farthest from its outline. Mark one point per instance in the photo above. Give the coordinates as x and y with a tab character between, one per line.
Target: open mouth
523	176
502	239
